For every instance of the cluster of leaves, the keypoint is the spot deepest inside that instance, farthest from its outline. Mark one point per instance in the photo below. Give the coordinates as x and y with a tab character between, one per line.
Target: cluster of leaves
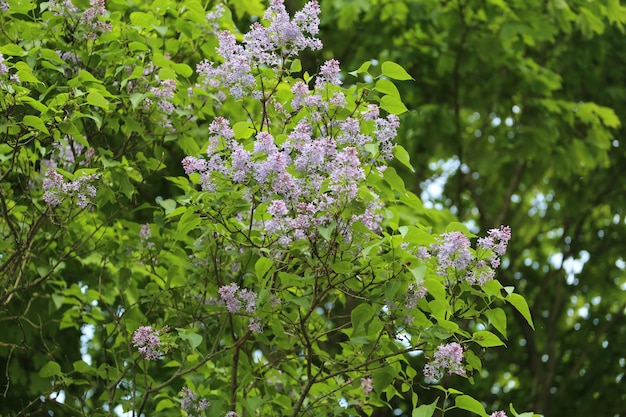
128	286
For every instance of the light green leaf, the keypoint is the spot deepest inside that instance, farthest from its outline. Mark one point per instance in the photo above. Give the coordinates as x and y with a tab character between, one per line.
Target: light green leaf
243	130
36	122
12	49
465	402
392	70
262	266
362	69
520	305
387	87
165	404
392	105
403	157
96	99
459	227
50	369
425	410
497	317
486	339
342	267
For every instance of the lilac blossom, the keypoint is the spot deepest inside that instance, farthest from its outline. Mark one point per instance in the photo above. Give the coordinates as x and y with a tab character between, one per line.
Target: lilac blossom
414	294
148	342
255	325
4	6
496	241
453	251
190	403
56	189
91	19
329	74
448	357
498	414
366	385
231	414
228	293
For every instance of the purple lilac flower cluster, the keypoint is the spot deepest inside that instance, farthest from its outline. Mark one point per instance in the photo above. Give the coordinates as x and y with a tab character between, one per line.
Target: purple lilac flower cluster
191	404
241	300
56	189
414	294
148	342
90	19
282	39
4	6
306	180
454	256
448	357
367	385
144	236
498	414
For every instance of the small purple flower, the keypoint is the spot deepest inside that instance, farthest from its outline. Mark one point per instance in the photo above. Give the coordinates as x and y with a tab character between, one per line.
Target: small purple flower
231	414
148	342
189	402
329	74
277	208
367	385
228	293
415	293
56	189
447	357
452	252
498	414
255	325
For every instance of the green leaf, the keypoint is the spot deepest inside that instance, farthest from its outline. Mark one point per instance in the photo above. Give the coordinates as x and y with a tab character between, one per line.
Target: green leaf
183	70
342	267
296	66
96	99
497	317
243	130
394	180
387	87
36	122
465	402
383	378
50	369
262	266
165	404
520	305
362	69
81	366
425	410
486	339
12	49
392	105
190	336
392	70
25	73
403	157
459	227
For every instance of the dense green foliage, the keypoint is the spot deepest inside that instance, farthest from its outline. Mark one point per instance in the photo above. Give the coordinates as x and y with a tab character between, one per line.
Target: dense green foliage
516	104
